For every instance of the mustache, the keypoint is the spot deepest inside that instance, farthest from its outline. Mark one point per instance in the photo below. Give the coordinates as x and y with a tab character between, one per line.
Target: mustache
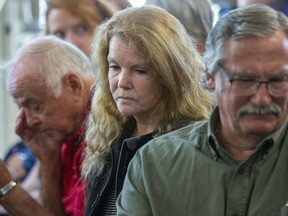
250	109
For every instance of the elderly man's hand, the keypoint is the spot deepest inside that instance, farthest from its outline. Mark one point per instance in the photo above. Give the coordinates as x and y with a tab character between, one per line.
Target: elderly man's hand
42	144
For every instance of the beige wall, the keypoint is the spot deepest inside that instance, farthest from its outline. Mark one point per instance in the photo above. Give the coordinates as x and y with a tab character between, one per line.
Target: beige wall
10	28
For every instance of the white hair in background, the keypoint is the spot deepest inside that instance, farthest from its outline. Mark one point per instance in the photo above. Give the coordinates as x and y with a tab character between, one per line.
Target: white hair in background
195	15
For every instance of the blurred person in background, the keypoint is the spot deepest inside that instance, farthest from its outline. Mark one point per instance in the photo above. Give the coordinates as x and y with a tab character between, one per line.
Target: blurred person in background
24	169
195	15
280	5
19	161
75	20
119	4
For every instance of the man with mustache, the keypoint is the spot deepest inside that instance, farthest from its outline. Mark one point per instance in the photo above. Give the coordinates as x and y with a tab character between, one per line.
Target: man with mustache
233	163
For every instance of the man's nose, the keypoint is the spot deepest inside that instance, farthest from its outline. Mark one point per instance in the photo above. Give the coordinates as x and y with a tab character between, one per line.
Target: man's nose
32	118
262	97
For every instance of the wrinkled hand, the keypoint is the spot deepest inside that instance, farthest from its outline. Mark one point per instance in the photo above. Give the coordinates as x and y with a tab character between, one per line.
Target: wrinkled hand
44	146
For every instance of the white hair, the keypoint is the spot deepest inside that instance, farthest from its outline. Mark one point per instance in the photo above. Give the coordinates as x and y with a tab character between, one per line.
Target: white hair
195	15
55	58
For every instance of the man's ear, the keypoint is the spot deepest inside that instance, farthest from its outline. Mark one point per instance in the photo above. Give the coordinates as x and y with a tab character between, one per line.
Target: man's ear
73	84
210	81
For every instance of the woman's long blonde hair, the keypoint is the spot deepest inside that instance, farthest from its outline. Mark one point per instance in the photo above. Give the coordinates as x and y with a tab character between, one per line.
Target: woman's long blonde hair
171	56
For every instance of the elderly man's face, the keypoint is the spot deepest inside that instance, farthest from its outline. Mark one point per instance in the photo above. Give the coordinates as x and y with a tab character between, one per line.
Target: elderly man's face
40	109
246	109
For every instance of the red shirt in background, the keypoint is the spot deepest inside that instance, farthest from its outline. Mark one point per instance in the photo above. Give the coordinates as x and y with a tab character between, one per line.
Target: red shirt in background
73	197
71	161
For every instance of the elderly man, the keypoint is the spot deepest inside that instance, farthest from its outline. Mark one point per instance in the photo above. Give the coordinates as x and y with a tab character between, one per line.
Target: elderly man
51	82
237	162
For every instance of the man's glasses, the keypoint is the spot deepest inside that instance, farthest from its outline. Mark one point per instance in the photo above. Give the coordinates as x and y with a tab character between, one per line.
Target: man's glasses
277	86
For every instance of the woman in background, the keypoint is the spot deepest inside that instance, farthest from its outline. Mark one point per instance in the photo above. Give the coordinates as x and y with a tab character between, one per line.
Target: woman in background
75	20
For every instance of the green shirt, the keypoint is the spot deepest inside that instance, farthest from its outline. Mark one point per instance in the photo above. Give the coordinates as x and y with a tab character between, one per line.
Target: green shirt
186	173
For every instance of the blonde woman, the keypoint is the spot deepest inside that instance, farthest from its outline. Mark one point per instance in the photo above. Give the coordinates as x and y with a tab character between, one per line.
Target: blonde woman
148	84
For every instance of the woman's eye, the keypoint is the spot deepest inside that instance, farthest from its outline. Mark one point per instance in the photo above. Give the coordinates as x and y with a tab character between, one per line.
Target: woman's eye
80	29
59	34
141	71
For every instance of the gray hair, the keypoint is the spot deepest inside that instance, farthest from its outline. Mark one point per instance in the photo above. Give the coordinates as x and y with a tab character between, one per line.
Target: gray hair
195	15
55	58
251	21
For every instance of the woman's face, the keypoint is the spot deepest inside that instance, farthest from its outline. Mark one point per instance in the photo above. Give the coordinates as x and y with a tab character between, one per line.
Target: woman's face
135	88
69	28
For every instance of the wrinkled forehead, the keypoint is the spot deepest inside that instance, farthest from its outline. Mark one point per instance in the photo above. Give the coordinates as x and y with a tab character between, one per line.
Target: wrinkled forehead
24	76
262	57
273	46
25	99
